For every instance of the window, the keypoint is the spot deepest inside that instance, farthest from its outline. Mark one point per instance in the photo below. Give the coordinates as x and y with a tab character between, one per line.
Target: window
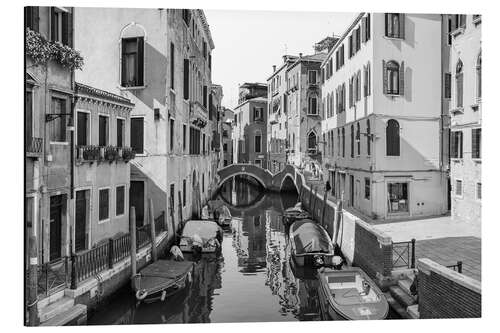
82	129
398	197
172	66
367	188
476	143
352	141
312	77
224	147
459	21
132	62
103	204
31	17
186	16
459	81
394	25
103	131
194	141
313	105
120	200
205	96
258	142
172	134
186	79
393	78
478	77
258	113
358	141
447	85
28	111
311	142
137	135
392	138
479	194
203	183
120	126
368	137
183	193
456	150
366	83
343	142
57	127
458	187
60	25
184	133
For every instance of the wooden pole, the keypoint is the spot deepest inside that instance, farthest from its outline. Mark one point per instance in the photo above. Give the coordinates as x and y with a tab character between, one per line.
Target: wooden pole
154	254
133	245
33	319
324	209
315	200
338	217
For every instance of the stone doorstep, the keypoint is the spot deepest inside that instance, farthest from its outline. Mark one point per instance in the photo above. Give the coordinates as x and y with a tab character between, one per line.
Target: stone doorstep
77	311
401	296
396	306
412	311
92	283
405	284
55	308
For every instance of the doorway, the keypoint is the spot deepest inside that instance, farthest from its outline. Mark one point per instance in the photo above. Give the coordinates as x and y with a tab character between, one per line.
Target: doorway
137	200
56	211
81	216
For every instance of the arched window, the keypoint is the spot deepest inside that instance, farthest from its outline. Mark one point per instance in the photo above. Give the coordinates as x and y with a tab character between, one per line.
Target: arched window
358	141
352	140
478	77
368	139
392	138
311	141
459	80
132	39
392	74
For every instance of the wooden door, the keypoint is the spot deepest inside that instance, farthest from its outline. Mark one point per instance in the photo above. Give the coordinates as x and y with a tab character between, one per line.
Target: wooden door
81	220
56	210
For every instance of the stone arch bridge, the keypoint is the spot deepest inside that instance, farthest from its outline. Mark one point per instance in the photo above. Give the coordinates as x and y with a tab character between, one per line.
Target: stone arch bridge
287	179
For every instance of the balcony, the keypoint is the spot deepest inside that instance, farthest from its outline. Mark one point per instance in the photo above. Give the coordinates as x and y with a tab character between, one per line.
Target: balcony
34	147
198	114
91	154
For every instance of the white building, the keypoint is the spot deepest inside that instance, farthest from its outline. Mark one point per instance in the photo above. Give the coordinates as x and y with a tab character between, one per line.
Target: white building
465	109
383	128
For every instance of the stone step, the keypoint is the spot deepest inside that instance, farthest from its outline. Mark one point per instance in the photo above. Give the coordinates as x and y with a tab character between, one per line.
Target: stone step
412	311
76	315
401	296
405	284
396	306
55	308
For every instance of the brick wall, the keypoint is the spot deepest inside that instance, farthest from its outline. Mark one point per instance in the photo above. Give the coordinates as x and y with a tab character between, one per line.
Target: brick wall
444	293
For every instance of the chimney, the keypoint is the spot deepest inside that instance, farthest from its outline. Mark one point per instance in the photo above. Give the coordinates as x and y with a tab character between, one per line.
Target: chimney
274	68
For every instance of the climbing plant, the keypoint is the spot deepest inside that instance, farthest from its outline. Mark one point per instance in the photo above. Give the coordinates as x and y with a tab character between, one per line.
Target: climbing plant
42	50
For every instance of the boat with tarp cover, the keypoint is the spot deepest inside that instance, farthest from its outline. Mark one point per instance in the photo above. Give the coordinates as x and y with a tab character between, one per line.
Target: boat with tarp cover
310	244
295	213
350	294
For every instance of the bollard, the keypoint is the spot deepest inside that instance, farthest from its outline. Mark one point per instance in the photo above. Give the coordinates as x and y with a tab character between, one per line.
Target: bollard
133	244
413	253
324	209
32	302
459	266
152	232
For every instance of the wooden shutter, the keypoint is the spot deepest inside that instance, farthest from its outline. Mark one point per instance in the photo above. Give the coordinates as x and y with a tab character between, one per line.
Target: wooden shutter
137	134
368	27
460	144
402	26
402	78
363	29
384	74
453	148
474	143
53	19
140	61
65	28
123	62
386	24
186	78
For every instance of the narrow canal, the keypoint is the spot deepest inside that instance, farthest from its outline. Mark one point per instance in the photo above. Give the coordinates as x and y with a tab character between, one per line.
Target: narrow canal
251	280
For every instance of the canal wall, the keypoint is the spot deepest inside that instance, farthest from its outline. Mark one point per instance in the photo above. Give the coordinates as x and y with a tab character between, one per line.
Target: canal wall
96	289
360	243
444	293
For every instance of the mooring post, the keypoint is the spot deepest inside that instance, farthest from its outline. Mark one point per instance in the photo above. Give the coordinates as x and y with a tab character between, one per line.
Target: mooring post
338	217
315	201
33	319
413	253
152	232
310	198
133	245
324	209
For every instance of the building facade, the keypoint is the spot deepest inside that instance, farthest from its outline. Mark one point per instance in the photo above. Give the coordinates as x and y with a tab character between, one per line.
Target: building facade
102	168
466	113
160	59
381	91
249	126
227	130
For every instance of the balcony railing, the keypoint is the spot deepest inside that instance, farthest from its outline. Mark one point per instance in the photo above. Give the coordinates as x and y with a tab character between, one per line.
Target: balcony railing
34	146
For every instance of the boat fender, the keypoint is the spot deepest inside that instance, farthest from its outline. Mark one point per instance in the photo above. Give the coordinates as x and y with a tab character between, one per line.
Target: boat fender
141	294
163	295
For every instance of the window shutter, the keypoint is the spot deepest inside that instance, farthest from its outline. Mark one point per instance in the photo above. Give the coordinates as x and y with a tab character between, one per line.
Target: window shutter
453	149
474	144
140	61
402	78
368	27
65	28
35	17
460	144
53	18
124	69
363	29
384	74
186	79
386	24
402	26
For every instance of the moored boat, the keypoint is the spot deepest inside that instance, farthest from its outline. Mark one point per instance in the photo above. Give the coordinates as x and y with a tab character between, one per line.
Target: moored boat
310	244
295	213
224	216
350	294
201	236
161	279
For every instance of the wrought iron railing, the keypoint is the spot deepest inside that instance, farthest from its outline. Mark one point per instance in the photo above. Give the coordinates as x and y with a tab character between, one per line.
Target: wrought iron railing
53	276
160	223
456	267
34	145
403	254
88	263
143	235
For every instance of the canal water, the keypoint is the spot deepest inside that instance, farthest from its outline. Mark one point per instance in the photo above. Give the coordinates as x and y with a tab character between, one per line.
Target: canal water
252	280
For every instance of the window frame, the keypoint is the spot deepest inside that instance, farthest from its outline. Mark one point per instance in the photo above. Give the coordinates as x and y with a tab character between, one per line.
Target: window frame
141	79
124	120
124	199
392	68
388	146
315	72
143	153
89	126
461	195
67	104
108	129
459	84
368	185
479	191
108	218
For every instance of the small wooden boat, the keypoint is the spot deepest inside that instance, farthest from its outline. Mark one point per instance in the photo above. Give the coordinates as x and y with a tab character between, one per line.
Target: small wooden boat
161	279
310	244
201	236
350	294
293	214
224	216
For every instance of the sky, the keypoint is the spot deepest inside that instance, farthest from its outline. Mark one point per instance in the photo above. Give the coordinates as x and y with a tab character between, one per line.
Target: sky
249	43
